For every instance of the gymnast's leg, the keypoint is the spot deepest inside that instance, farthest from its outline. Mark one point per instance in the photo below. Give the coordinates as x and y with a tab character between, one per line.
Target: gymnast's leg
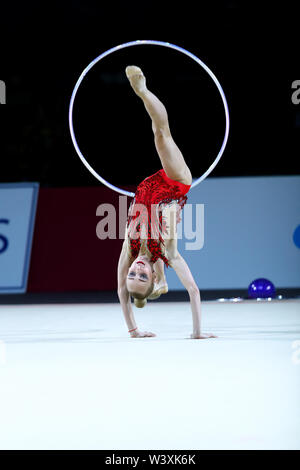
171	157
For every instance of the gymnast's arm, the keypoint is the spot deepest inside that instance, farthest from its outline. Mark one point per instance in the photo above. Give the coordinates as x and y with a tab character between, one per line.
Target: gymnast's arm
184	274
182	270
123	293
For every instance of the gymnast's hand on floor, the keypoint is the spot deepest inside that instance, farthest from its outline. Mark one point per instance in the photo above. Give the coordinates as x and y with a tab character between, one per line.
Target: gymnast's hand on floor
202	336
141	334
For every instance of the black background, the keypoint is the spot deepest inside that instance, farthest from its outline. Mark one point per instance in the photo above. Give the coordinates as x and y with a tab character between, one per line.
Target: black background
250	47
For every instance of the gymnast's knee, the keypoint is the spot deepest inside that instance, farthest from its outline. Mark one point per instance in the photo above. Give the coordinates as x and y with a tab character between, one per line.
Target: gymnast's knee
162	135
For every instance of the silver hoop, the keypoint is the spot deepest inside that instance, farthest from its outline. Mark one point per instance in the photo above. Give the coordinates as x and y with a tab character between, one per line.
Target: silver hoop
139	43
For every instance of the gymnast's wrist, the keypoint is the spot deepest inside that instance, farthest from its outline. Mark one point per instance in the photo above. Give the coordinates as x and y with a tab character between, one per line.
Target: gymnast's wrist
133	331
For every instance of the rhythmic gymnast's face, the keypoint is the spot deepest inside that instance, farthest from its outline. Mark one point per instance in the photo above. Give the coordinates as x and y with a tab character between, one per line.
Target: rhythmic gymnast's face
140	276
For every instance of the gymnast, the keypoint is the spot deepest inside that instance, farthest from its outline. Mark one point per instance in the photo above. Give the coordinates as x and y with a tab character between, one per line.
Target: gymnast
150	238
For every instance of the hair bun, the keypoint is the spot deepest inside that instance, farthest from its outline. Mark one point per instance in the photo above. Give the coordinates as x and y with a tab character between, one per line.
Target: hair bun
140	303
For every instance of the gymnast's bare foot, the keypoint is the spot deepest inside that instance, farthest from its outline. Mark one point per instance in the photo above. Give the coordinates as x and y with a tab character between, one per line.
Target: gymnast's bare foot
137	79
161	288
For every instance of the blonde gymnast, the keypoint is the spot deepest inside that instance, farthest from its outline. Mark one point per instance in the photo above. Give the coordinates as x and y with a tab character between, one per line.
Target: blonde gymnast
151	238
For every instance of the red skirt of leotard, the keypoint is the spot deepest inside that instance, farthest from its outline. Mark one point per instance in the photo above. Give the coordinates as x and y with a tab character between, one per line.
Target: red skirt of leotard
152	194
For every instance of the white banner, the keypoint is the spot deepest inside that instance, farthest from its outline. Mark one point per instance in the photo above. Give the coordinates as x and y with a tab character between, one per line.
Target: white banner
251	230
18	203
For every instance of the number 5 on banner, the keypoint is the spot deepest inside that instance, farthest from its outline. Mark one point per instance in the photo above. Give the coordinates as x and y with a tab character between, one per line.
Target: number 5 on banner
3	238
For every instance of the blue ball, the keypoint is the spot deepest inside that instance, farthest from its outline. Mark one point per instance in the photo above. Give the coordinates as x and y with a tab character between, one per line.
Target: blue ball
261	288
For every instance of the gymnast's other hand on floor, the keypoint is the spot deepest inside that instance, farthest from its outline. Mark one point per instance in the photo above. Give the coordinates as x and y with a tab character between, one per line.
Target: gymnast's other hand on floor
202	336
142	334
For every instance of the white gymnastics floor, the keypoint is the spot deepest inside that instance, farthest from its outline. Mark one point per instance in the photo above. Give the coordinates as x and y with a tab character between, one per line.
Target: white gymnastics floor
71	378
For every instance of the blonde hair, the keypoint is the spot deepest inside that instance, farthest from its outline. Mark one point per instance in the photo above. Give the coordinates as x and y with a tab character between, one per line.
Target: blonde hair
140	303
140	300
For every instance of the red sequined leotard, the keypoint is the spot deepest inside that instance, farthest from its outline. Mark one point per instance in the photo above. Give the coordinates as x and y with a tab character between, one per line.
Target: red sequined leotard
152	195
